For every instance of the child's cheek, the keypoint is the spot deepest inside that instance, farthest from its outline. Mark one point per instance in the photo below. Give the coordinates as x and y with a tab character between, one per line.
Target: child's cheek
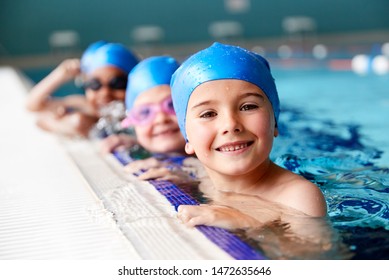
143	134
201	135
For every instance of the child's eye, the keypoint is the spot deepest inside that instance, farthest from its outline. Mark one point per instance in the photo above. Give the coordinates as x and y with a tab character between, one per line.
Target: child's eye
247	107
170	105
208	114
142	113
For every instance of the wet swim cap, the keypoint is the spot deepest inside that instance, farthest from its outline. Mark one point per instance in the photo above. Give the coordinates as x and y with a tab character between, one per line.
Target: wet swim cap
102	54
87	56
151	72
218	62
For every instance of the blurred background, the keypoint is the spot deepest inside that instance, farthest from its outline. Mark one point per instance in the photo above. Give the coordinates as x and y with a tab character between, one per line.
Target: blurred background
35	33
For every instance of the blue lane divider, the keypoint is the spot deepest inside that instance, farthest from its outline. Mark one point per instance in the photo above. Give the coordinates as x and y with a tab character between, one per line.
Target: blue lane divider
227	241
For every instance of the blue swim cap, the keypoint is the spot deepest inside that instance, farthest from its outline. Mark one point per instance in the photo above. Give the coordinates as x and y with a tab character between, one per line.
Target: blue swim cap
150	72
101	53
87	56
218	62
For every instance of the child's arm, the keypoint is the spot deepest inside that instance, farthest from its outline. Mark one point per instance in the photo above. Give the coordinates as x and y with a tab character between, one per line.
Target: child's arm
176	176
40	93
117	142
216	215
137	165
230	210
159	170
73	124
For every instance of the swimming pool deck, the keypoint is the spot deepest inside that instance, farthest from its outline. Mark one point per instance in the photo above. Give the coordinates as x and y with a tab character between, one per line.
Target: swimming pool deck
61	199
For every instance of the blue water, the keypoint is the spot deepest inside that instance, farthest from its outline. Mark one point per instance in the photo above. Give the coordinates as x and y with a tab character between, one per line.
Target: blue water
333	131
337	103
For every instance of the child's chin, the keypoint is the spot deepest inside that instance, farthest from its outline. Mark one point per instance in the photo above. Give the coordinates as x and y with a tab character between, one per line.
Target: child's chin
166	147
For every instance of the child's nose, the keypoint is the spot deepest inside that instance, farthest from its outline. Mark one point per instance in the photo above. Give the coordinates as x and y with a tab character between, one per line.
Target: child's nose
231	124
161	117
105	93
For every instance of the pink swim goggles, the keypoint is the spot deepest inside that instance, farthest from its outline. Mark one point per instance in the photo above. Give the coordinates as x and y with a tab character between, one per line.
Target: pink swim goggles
145	114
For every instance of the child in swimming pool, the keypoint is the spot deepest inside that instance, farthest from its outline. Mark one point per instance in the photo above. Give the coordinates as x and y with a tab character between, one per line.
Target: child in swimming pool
227	107
150	112
104	67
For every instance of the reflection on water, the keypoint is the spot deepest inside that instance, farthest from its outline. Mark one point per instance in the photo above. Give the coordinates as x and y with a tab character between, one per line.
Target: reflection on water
302	238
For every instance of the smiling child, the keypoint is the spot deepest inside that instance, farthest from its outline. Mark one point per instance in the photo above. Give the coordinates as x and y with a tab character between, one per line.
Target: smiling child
227	107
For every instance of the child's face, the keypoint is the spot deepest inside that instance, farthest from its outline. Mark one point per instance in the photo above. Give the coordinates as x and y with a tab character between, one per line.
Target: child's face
161	134
104	85
230	126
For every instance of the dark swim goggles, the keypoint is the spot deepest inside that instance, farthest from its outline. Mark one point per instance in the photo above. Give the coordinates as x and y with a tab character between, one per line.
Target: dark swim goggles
119	82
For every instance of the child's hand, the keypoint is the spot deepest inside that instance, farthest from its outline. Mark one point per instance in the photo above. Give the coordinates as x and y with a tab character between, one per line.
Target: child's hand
117	142
68	69
176	176
138	165
215	215
82	123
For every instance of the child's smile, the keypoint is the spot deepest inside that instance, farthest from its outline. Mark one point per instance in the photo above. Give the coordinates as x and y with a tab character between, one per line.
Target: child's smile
235	148
166	132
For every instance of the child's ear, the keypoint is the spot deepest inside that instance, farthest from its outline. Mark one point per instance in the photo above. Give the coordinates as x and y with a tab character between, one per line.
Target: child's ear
275	131
189	149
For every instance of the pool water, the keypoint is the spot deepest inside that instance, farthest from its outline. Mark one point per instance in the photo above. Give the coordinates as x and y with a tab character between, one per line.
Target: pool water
333	132
351	110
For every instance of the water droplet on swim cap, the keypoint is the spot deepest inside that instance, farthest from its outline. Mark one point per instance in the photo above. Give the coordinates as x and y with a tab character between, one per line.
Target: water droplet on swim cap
218	62
150	72
102	53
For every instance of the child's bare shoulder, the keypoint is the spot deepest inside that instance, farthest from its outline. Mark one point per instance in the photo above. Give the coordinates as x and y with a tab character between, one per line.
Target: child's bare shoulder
303	195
